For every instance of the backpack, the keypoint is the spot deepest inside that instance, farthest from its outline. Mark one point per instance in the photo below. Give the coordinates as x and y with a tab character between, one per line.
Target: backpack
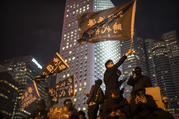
99	96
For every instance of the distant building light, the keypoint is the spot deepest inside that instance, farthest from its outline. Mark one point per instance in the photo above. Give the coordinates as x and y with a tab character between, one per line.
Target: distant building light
26	112
35	61
84	108
79	108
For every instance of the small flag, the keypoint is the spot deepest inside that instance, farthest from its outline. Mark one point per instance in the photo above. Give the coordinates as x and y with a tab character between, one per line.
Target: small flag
62	89
29	96
56	65
112	24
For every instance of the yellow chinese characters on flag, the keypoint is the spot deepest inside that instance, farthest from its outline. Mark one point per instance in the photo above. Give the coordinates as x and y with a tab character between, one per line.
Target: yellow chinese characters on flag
29	96
64	88
56	65
111	24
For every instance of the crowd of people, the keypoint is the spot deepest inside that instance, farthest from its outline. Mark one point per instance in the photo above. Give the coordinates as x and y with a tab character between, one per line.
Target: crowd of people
111	104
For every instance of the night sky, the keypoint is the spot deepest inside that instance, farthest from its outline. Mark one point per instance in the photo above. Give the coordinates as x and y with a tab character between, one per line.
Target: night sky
34	28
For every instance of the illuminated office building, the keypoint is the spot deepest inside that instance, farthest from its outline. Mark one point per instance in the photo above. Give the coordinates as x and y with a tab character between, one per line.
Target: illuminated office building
163	66
23	69
8	94
160	66
86	60
172	45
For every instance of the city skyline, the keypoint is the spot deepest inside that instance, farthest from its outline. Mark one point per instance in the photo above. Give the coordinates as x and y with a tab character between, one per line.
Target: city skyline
155	48
39	24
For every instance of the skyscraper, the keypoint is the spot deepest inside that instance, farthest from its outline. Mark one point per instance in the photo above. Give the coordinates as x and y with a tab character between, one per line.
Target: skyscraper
163	66
86	60
8	94
172	46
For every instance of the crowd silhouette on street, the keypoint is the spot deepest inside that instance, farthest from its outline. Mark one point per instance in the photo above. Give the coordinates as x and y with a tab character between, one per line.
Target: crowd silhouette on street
111	104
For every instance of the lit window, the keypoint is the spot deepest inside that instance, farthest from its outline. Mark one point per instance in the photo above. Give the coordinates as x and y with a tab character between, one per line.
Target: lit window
63	48
70	52
64	76
129	66
68	75
73	58
85	83
79	108
86	57
74	99
67	15
84	108
80	89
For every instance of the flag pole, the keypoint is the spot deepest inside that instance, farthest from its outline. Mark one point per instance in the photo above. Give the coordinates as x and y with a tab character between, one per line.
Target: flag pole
132	23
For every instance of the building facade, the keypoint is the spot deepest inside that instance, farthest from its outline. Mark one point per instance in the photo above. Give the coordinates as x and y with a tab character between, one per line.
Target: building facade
8	95
163	66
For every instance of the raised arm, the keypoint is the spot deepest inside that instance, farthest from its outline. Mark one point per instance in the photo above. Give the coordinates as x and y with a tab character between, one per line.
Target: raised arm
123	58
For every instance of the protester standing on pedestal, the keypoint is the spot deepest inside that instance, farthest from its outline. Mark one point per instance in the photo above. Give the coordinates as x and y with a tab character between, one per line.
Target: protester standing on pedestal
113	95
95	98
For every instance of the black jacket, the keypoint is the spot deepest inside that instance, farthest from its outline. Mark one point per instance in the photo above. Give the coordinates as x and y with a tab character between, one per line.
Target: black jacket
111	78
139	83
92	94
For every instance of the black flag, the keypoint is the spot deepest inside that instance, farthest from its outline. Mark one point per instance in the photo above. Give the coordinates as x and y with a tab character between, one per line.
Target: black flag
56	65
112	24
